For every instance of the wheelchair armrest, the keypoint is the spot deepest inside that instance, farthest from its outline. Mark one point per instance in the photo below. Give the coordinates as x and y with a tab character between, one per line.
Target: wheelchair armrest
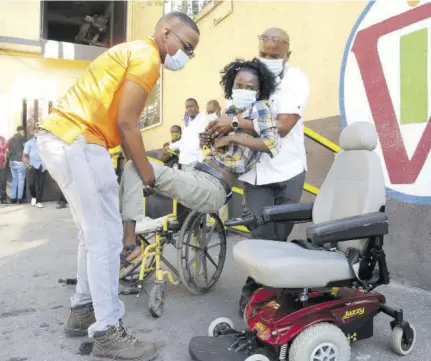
296	212
347	229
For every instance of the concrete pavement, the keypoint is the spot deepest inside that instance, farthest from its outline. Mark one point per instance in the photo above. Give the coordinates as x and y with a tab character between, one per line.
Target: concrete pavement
38	246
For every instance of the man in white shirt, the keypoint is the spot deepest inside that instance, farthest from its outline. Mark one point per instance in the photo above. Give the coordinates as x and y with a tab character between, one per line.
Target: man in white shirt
280	179
188	145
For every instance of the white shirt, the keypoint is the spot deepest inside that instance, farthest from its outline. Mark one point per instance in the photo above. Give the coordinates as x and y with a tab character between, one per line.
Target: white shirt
290	97
188	145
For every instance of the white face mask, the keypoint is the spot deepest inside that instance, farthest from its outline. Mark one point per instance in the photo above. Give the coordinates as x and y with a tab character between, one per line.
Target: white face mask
211	117
177	61
243	98
275	66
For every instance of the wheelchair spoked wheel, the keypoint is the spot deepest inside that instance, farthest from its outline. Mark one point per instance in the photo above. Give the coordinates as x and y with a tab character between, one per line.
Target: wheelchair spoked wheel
201	251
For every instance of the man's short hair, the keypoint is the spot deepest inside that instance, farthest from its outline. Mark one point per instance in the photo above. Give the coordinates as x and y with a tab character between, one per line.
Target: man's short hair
176	127
183	18
20	128
192	100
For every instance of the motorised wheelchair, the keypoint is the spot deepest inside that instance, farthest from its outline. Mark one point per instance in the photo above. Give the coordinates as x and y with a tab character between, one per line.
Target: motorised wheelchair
317	294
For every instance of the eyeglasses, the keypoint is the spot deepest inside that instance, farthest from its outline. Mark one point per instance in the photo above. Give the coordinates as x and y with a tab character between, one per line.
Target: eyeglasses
275	39
188	49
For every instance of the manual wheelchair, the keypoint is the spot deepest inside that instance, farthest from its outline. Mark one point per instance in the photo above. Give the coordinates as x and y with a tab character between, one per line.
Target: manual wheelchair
199	241
316	296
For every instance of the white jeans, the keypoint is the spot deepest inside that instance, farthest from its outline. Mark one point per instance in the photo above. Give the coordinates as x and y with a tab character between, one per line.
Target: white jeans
86	176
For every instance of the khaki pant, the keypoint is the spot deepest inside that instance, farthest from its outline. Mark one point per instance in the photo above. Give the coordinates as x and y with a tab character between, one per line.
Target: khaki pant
187	167
194	189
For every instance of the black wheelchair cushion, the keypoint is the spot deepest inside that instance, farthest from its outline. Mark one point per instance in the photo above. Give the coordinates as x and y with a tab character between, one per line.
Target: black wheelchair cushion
351	228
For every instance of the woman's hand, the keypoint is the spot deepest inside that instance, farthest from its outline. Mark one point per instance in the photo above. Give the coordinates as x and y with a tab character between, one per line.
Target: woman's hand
204	139
222	125
224	141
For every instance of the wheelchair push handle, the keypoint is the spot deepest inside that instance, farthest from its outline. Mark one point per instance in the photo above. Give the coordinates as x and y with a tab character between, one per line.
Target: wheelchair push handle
252	221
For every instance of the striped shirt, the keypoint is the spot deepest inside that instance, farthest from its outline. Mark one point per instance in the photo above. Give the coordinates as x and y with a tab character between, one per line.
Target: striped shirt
238	159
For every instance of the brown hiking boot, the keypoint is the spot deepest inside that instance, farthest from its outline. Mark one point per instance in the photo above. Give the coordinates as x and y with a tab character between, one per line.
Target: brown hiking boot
80	319
116	344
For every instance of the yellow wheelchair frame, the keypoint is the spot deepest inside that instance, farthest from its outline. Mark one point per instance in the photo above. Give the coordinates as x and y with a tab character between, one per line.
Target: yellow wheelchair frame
188	239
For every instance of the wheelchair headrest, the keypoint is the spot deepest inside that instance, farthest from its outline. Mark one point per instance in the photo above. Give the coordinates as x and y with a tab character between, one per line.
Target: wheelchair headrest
359	136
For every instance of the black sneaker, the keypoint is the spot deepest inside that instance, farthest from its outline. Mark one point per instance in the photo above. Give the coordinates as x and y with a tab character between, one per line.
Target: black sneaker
116	344
61	204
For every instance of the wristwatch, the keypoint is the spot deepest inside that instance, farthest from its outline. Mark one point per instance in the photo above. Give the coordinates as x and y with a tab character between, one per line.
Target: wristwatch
235	123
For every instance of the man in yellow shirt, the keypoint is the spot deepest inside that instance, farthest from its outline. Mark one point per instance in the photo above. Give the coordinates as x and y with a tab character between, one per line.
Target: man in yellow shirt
99	112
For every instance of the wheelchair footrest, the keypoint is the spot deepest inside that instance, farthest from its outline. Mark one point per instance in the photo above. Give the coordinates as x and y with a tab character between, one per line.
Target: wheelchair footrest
204	348
130	291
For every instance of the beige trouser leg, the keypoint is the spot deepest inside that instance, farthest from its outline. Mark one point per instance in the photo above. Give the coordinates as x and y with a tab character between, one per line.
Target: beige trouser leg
224	213
194	189
187	167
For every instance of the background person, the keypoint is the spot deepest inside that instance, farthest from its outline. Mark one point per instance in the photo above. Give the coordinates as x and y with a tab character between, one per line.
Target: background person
169	157
17	166
188	145
213	110
176	133
3	170
96	115
36	170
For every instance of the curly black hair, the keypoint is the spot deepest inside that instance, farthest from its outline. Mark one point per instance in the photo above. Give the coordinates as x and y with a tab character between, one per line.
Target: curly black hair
267	83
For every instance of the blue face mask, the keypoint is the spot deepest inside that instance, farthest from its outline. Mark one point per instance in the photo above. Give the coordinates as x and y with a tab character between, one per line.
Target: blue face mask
243	98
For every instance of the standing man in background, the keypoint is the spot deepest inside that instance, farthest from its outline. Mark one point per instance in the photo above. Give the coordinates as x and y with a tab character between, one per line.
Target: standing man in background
3	170
169	157
277	180
100	112
213	110
188	145
36	170
17	166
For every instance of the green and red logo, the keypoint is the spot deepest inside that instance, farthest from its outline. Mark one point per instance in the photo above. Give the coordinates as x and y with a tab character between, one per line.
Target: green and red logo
385	79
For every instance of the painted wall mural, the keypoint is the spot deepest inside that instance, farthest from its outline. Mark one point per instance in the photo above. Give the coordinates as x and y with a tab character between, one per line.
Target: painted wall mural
385	79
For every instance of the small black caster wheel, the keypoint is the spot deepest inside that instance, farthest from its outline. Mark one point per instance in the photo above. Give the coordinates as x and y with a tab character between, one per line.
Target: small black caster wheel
157	299
220	326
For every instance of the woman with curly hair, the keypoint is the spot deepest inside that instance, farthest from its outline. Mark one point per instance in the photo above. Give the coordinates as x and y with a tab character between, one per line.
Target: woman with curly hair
208	187
249	84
